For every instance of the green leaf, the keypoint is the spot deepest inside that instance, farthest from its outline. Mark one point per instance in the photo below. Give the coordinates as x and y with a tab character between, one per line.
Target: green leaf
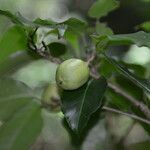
140	38
13	95
73	42
20	113
105	68
17	18
8	106
78	105
102	29
44	22
11	89
143	83
145	26
75	24
116	100
57	49
12	17
13	40
102	7
146	1
72	24
128	86
21	130
12	64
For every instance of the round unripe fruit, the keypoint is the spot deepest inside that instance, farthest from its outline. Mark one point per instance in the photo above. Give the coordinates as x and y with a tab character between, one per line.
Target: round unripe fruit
51	97
72	74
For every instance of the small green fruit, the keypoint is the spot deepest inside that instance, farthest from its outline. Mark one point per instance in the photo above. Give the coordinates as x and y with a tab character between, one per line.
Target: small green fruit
51	97
72	74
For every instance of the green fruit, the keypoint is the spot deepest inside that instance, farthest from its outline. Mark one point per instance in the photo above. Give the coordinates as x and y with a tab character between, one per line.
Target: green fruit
51	97
72	74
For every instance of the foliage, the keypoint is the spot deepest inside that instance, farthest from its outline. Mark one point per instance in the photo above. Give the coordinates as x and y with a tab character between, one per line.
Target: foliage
29	54
101	8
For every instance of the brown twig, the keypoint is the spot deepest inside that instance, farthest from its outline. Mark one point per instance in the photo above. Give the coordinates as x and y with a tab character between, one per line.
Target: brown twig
91	58
42	51
126	114
137	103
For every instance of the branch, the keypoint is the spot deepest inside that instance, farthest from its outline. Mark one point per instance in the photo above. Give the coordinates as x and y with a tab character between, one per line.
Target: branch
42	51
137	103
91	58
126	114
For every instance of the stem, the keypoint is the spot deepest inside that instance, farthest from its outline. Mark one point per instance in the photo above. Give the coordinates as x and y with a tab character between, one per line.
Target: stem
126	114
137	103
91	58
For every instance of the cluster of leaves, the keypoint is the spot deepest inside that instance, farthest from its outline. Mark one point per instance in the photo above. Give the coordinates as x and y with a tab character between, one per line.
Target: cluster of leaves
20	105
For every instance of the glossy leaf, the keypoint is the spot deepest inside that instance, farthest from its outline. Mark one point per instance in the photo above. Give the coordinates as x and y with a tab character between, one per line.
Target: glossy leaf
22	129
143	83
13	40
78	105
102	7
